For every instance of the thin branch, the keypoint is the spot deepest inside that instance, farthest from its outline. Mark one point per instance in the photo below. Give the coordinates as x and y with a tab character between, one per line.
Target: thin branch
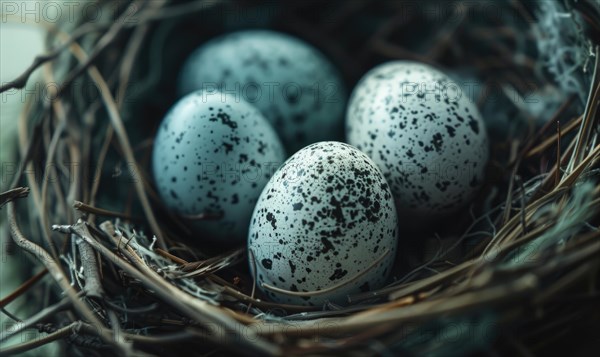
194	308
113	30
93	285
330	288
21	80
37	342
80	206
23	288
523	205
39	317
119	127
558	154
55	271
19	192
589	121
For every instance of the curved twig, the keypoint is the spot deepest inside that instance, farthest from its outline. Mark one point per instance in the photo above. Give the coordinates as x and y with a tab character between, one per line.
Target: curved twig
37	342
7	196
55	271
330	288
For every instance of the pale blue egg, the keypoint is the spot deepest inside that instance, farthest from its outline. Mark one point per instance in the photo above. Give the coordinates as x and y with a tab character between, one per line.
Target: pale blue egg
212	157
425	134
324	224
292	83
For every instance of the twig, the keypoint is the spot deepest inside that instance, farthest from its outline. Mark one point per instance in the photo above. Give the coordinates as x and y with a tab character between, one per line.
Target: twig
118	336
101	157
21	289
253	262
51	170
330	288
80	206
19	192
552	139
10	315
260	303
589	116
55	271
170	256
509	198
39	317
129	310
194	308
515	289
117	26
558	155
523	206
578	170
37	342
93	286
21	80
119	127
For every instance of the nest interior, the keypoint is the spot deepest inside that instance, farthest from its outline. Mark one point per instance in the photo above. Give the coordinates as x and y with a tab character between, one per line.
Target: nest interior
112	271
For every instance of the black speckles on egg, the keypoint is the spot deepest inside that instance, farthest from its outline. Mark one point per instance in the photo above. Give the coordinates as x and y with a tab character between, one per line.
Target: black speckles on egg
338	274
428	163
292	83
225	119
324	216
474	124
271	219
267	263
222	169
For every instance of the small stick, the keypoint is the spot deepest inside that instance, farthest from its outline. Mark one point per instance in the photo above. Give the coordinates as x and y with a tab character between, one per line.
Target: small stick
21	80
589	117
517	159
196	309
19	192
253	260
21	289
93	285
170	256
39	317
557	173
11	316
37	342
80	206
523	205
97	176
55	271
121	133
331	288
541	148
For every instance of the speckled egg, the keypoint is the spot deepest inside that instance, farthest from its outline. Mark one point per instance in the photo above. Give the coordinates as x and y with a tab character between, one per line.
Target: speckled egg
324	224
212	157
292	83
424	133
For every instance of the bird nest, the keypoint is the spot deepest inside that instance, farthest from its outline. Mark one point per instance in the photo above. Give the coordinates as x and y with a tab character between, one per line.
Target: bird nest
112	271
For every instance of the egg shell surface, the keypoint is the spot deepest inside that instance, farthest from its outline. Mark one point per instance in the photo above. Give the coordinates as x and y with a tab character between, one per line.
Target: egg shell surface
291	82
212	156
424	133
325	217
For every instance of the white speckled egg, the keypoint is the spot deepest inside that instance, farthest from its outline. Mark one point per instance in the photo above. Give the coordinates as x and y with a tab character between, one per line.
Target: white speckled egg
292	83
324	223
212	156
425	134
